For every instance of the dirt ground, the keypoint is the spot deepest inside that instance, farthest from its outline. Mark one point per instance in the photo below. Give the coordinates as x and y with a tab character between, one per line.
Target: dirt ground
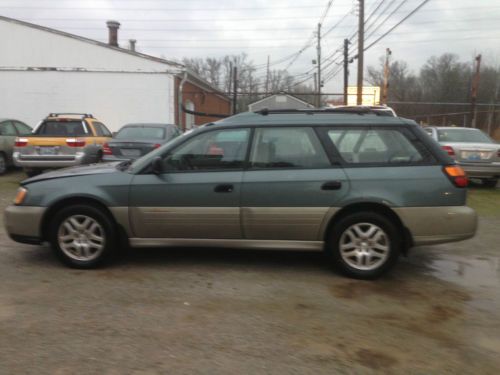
199	311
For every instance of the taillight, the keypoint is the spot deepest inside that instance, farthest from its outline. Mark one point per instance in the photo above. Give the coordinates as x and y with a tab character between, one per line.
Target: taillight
21	142
75	142
449	150
457	175
156	145
106	150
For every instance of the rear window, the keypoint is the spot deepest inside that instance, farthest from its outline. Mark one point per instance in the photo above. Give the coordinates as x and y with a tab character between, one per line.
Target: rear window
62	129
463	135
142	132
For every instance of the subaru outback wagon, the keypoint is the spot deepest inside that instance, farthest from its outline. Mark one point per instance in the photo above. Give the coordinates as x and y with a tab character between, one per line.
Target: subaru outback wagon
361	187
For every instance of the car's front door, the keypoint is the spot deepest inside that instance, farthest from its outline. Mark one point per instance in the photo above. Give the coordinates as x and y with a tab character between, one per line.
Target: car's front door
291	188
8	136
197	194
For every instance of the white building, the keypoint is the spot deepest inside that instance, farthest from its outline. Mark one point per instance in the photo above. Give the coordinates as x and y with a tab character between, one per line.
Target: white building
43	70
279	101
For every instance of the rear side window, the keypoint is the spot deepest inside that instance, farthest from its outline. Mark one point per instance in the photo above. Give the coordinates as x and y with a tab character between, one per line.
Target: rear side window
62	129
383	146
287	148
22	129
101	130
6	128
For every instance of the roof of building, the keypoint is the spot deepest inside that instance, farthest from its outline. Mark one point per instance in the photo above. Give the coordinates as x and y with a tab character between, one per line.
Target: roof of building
194	77
282	94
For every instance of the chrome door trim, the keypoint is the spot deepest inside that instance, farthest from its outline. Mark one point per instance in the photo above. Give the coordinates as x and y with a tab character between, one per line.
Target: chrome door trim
228	243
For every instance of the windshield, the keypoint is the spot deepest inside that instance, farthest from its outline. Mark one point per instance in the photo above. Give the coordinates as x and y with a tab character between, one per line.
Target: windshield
141	132
463	135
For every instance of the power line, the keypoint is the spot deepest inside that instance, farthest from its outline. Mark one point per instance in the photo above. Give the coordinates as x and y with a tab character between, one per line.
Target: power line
386	19
135	9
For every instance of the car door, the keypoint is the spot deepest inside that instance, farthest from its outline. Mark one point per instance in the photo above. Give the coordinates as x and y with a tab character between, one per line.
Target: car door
197	194
290	188
8	136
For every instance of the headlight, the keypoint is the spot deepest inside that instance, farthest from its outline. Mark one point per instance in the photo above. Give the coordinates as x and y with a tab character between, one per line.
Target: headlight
20	196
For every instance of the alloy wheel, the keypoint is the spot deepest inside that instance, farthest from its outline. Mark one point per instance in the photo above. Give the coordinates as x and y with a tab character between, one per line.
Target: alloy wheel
81	237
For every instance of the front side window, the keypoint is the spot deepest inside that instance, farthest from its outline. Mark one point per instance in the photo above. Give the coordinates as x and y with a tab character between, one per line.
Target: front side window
287	148
214	150
387	146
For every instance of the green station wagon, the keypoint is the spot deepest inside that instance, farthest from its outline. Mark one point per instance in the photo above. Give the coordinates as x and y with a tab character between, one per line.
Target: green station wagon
361	187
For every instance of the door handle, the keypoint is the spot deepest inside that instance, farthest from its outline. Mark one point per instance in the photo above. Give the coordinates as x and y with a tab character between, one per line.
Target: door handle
331	185
224	188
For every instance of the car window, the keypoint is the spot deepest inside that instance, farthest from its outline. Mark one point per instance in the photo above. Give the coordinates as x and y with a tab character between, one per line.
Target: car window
141	132
101	130
463	135
62	129
7	128
390	146
22	129
287	148
214	150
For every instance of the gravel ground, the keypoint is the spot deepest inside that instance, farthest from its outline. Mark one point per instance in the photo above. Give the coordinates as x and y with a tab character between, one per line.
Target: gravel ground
199	311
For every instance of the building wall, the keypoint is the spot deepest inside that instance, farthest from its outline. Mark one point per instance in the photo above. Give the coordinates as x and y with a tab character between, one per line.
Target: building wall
203	102
114	98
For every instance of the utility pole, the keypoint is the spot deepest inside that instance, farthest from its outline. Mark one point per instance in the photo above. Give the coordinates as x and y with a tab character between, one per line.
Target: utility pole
316	88
474	89
361	46
319	66
385	89
235	89
346	69
267	76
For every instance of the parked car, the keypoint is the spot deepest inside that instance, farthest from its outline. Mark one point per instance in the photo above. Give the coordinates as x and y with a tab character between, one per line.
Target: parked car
9	130
61	140
477	154
362	187
136	140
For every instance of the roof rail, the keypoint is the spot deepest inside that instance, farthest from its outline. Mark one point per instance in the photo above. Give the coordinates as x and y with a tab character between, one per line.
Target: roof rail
84	115
352	110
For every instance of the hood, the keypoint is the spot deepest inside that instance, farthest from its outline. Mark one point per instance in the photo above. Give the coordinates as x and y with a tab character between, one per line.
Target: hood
101	168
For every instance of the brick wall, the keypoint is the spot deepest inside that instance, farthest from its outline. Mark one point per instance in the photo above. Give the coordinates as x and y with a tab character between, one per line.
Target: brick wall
203	102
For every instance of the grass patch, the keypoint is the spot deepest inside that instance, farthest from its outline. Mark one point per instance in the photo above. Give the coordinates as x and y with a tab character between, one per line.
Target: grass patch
485	201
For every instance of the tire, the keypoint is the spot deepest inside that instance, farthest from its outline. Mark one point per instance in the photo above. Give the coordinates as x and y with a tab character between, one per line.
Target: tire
490	183
359	253
32	172
83	236
3	163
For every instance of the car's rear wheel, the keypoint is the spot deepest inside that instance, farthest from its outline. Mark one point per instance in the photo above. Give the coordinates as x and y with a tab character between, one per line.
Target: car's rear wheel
3	163
83	236
490	183
364	245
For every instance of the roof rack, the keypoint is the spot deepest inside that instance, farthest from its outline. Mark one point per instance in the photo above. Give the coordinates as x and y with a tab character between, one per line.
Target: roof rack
351	110
84	115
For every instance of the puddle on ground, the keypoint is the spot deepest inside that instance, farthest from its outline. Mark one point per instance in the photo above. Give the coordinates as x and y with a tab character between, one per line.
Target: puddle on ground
468	272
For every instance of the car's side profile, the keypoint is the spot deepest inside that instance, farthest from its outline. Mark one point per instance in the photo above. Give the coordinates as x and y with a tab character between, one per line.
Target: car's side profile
9	130
362	187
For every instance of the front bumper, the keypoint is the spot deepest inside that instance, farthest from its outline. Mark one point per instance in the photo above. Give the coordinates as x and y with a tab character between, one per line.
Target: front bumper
23	223
477	170
49	161
435	225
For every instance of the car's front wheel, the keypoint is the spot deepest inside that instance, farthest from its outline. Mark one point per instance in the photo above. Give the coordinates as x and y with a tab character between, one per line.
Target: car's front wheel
364	245
83	236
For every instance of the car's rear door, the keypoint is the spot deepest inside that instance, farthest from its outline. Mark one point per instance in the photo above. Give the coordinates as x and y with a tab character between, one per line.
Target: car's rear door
198	193
290	188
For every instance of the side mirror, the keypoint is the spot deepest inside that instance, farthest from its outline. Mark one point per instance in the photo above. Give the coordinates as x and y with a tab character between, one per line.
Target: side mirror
157	165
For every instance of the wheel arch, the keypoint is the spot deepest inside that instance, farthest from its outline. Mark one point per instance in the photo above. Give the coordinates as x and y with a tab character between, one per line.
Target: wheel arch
379	208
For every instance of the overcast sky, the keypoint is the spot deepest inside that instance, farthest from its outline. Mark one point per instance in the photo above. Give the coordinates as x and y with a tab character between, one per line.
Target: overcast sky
195	28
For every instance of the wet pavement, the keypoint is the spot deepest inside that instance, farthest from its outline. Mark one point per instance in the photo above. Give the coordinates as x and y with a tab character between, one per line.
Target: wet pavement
188	311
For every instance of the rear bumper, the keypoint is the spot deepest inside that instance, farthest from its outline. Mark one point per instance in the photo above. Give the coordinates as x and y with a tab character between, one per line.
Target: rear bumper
476	170
23	223
435	225
56	161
